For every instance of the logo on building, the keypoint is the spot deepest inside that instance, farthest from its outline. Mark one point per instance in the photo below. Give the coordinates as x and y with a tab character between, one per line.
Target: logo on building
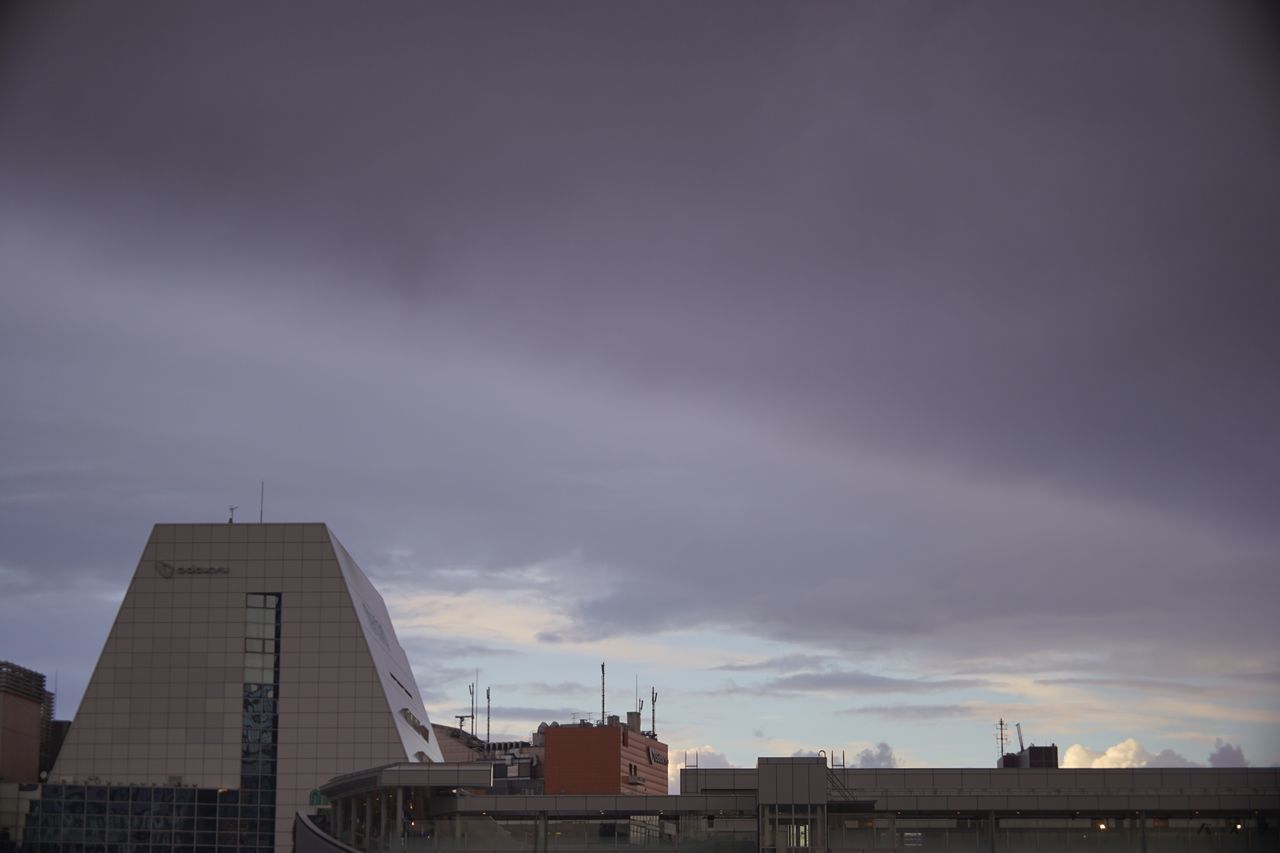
168	570
656	757
377	628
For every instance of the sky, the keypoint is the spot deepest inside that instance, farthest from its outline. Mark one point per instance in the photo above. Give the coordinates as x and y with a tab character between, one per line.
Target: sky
854	375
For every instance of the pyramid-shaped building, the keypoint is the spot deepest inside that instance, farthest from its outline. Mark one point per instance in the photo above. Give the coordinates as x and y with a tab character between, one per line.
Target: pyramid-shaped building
248	664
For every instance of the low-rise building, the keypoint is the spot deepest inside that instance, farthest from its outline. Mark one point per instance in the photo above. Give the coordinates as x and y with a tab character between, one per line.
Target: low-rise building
802	804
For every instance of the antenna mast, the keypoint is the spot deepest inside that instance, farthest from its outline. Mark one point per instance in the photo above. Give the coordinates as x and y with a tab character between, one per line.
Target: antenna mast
471	688
1002	736
653	711
487	708
603	719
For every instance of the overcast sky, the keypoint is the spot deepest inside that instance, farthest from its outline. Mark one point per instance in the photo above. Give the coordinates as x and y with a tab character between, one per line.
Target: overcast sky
855	374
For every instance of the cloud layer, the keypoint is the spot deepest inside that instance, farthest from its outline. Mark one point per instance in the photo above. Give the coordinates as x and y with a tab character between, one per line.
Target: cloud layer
889	350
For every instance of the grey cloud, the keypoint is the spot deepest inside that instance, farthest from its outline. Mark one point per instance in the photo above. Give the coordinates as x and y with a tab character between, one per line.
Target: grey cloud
1227	755
1170	758
914	712
543	688
881	755
546	715
842	681
786	663
444	648
848	681
1133	683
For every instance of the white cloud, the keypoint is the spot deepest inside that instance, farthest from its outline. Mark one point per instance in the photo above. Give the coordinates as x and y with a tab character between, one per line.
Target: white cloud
698	756
1130	753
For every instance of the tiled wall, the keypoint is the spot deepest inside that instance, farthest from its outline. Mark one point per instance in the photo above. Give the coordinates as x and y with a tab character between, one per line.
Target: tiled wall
166	698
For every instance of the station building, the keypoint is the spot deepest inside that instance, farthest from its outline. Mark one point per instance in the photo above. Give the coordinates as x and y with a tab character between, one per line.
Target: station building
801	804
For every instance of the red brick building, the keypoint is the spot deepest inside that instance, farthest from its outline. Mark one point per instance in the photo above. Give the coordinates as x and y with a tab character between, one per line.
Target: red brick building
609	759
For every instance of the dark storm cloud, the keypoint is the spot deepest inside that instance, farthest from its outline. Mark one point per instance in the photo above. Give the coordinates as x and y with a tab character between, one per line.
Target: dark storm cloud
886	328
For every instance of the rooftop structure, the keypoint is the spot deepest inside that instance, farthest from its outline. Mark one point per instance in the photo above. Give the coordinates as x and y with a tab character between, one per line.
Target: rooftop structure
26	723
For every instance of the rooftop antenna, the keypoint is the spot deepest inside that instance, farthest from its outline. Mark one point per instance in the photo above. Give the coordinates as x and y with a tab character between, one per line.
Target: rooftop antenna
232	519
471	688
487	710
262	496
603	719
1018	726
653	711
1002	735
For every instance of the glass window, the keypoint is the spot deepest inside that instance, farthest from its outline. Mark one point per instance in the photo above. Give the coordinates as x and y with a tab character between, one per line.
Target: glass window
255	600
259	630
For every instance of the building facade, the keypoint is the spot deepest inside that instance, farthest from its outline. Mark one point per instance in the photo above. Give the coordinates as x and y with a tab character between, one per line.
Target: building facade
614	758
795	804
247	664
26	723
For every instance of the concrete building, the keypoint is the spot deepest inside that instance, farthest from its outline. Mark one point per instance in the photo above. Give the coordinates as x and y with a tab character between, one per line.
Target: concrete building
802	804
613	758
26	723
517	764
248	664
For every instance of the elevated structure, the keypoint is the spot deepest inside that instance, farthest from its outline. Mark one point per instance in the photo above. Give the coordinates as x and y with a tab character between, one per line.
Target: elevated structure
248	663
801	803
